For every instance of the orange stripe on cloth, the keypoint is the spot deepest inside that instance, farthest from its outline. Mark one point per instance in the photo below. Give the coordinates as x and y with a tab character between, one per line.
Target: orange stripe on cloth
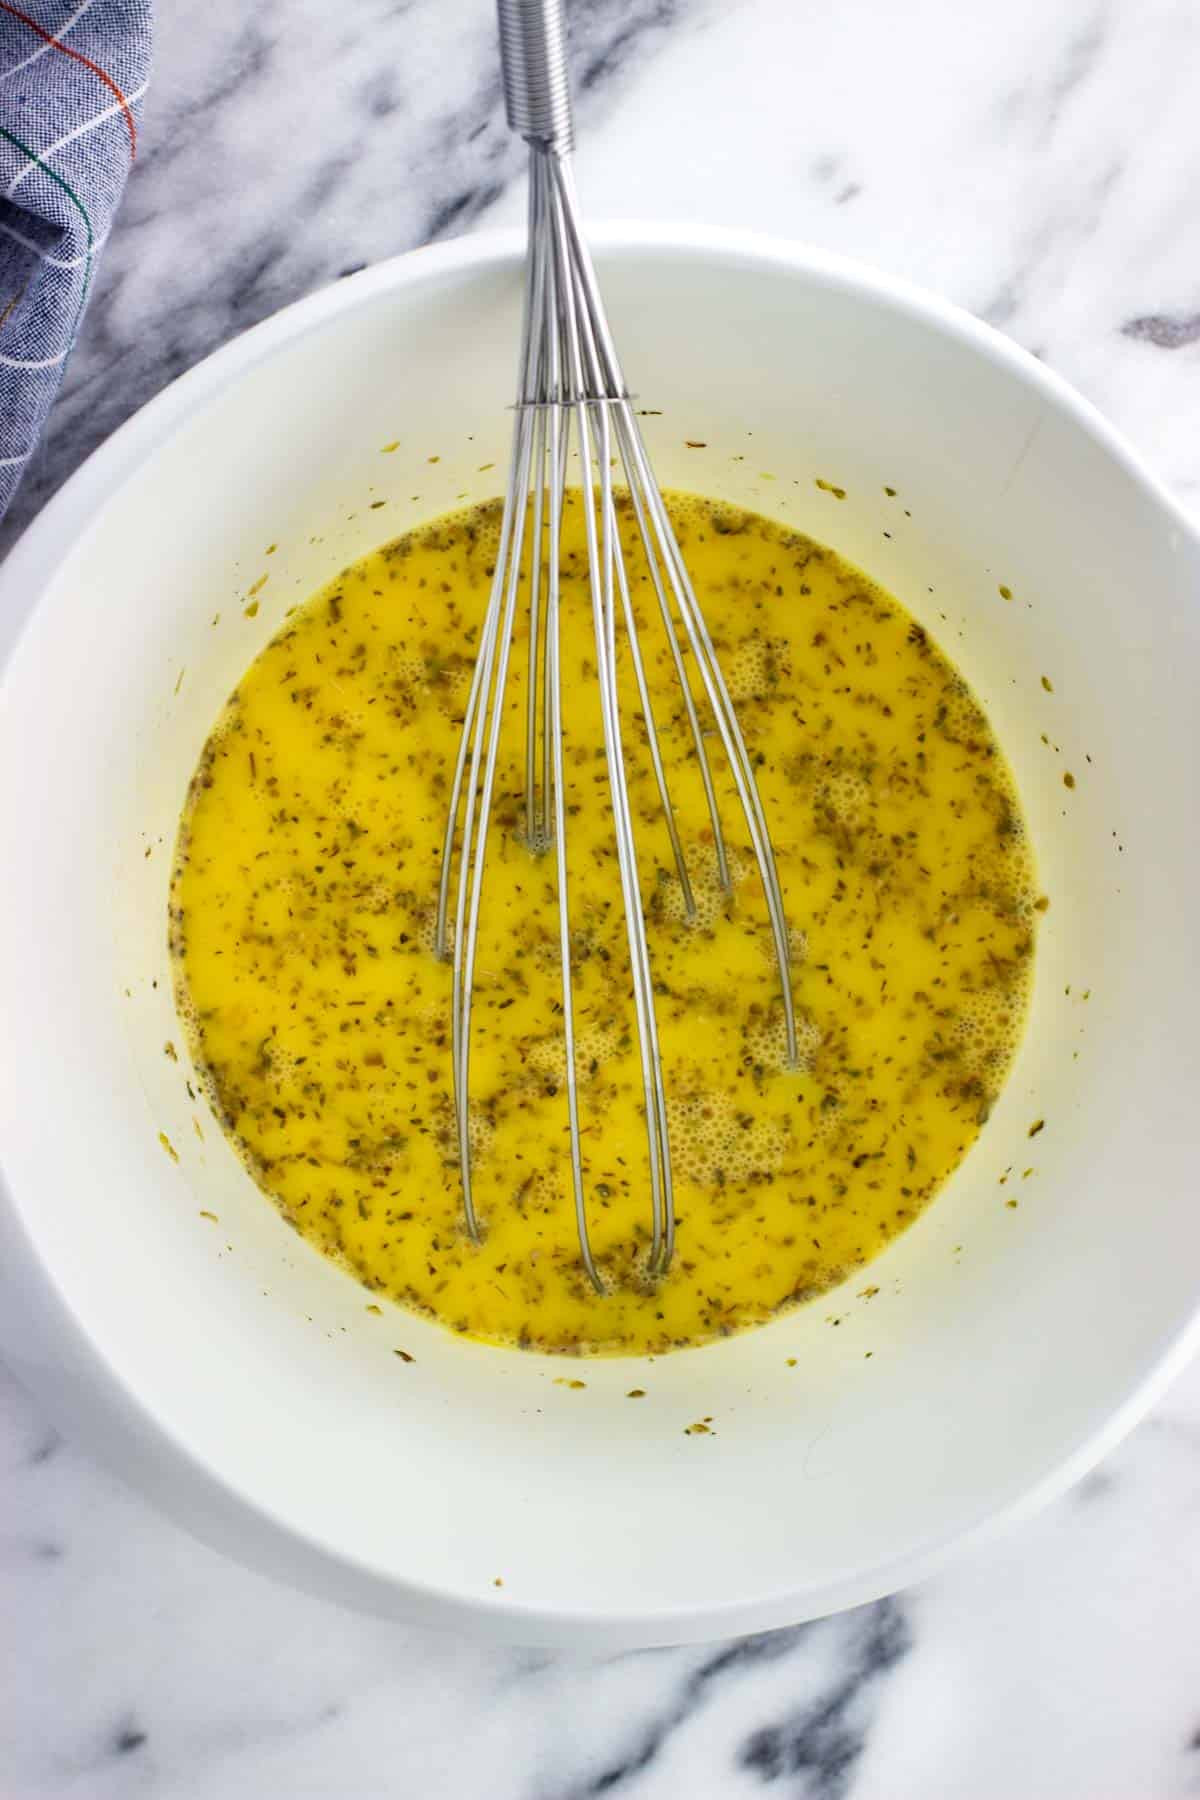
78	56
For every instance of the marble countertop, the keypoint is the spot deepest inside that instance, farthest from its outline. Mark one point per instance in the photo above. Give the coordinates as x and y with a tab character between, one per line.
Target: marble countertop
1033	161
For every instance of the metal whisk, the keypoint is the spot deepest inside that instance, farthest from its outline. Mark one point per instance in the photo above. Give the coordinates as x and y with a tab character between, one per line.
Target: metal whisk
570	383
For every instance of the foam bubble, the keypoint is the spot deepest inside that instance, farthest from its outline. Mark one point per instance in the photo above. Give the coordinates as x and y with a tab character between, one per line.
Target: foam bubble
481	1132
378	897
846	797
797	947
755	666
594	1044
714	1145
962	719
766	1039
711	900
407	666
425	931
189	1014
989	1027
229	723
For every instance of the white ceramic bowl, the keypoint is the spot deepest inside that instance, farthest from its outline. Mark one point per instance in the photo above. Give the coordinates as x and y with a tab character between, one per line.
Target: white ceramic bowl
235	1374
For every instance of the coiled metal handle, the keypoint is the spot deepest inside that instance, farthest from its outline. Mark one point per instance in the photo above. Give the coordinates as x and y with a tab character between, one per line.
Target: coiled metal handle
533	55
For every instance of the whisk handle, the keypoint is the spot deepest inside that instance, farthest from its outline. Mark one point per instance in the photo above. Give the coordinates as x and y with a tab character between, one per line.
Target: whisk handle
533	56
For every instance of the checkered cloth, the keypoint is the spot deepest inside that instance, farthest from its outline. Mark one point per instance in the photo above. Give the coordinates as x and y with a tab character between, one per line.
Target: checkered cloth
72	75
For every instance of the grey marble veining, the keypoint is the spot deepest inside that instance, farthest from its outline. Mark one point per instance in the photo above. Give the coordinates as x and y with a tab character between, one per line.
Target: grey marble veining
1035	163
1061	1662
286	146
1036	166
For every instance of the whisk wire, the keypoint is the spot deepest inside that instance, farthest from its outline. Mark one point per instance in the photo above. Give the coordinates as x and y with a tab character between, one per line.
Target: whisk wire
601	547
571	393
732	740
488	718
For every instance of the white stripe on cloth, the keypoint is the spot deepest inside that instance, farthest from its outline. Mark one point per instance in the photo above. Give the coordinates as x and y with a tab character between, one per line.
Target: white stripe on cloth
107	112
53	262
34	362
42	48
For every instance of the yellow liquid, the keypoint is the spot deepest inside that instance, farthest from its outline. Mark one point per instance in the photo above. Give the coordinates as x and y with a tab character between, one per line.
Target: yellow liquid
302	926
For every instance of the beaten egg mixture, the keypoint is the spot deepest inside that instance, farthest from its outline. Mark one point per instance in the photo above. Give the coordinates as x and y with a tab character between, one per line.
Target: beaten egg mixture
302	926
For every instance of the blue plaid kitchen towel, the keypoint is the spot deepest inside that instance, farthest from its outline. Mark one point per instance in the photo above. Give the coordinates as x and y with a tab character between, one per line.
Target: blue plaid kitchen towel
72	76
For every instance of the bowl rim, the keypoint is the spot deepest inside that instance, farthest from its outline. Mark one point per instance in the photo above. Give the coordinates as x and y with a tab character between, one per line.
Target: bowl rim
98	476
109	1417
